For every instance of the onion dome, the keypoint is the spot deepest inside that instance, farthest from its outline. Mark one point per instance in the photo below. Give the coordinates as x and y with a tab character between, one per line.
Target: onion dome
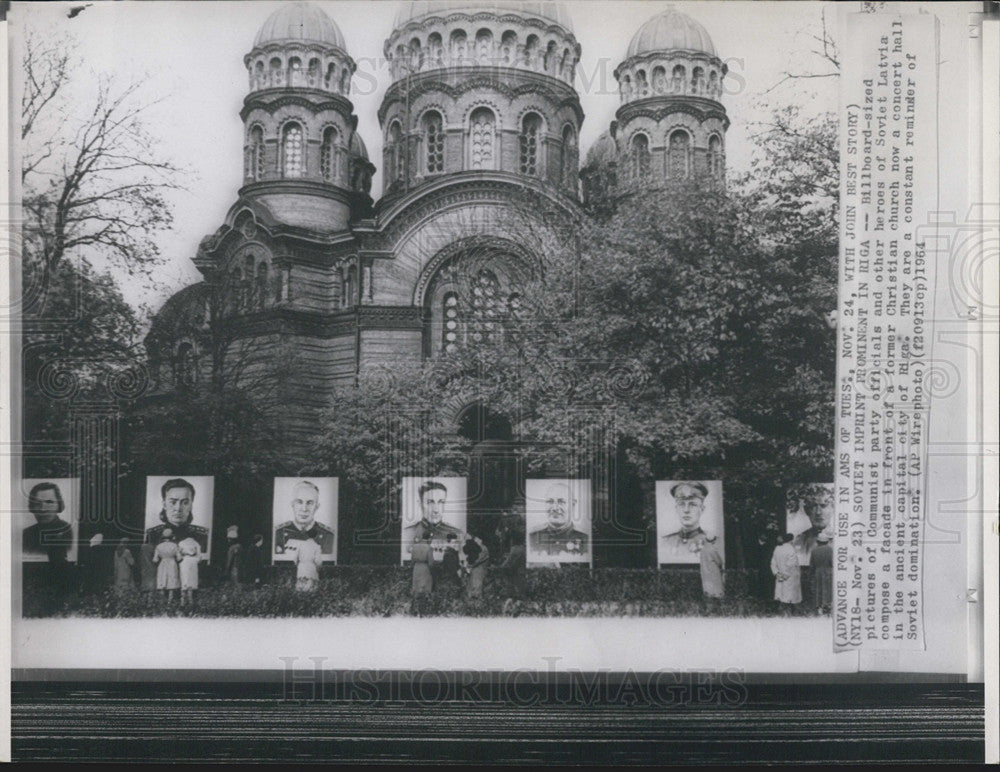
301	22
671	31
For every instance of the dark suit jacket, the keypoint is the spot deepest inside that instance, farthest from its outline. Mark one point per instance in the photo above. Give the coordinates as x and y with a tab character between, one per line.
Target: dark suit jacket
53	539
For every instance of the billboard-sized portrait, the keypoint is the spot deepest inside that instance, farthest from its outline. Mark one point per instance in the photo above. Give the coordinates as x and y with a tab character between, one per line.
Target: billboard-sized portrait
304	508
49	519
435	506
179	508
686	512
557	520
809	516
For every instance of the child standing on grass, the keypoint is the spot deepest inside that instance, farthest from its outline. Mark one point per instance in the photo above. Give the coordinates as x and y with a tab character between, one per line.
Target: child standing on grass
124	582
166	557
190	556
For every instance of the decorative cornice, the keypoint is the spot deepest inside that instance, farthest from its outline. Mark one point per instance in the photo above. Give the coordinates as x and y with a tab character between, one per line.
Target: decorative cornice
390	318
273	99
299	46
652	56
659	107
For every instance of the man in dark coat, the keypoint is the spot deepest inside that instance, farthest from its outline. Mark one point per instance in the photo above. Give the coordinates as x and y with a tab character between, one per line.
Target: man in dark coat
559	537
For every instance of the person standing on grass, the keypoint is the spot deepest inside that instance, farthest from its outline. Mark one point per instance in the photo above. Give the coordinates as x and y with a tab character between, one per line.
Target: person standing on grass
514	567
124	563
166	557
785	567
190	552
477	556
821	562
308	559
233	558
147	570
712	583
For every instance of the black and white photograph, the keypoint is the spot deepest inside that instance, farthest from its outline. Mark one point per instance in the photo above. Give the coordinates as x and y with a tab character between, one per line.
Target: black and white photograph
518	335
305	509
557	518
47	516
688	512
434	511
179	510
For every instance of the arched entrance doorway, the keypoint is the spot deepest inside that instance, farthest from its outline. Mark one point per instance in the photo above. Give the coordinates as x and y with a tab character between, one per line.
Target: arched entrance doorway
495	483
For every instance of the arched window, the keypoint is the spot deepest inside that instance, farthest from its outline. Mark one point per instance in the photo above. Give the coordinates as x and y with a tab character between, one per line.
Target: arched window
715	156
416	55
312	75
259	79
255	154
508	47
291	151
551	61
626	88
677	86
659	80
436	49
566	66
345	82
531	130
350	286
713	83
330	80
484	47
235	289
531	53
433	143
697	80
570	158
677	154
641	85
450	322
260	291
276	75
640	157
484	306
295	71
394	152
458	47
185	365
329	157
482	139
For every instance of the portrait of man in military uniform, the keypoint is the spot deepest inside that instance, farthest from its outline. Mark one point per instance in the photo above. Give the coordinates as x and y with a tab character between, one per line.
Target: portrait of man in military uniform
558	521
172	503
437	512
51	534
683	516
308	507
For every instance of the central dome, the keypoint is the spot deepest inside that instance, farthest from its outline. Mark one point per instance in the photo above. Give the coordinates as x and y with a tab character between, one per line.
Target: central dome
548	10
670	31
302	22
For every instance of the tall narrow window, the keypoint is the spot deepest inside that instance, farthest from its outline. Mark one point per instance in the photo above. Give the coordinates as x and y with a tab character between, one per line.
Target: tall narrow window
330	80
255	154
484	47
328	156
659	80
715	156
394	153
570	158
235	289
276	79
260	291
531	129
677	85
350	286
312	75
640	157
482	139
508	47
435	49
291	151
433	143
449	322
677	154
294	71
484	306
641	84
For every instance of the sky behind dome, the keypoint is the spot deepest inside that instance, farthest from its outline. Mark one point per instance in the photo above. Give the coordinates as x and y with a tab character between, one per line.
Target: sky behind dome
193	53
